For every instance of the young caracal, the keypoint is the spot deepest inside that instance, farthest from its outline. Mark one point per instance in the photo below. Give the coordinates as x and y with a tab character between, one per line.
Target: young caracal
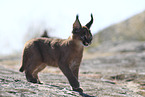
63	53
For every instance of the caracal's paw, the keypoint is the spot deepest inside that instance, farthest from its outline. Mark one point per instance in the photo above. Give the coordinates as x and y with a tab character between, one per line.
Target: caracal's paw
78	90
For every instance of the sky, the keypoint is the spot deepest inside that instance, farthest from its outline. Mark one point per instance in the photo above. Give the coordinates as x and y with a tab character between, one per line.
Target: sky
19	17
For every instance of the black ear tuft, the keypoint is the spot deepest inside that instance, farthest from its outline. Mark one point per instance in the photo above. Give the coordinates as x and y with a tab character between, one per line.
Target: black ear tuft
77	24
91	16
77	17
88	25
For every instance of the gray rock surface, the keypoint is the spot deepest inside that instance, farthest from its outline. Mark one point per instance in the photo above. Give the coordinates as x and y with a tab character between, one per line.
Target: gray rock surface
119	75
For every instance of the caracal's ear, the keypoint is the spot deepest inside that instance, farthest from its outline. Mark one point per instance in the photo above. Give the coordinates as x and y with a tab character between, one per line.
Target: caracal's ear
88	25
77	24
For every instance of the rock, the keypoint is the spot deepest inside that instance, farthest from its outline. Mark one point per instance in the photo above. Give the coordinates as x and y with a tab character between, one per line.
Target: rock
121	66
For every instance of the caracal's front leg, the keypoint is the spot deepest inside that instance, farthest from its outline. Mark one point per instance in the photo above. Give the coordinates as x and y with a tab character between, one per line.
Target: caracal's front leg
75	71
71	77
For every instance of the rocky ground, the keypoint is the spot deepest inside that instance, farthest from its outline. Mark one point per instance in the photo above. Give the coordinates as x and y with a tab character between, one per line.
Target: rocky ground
119	73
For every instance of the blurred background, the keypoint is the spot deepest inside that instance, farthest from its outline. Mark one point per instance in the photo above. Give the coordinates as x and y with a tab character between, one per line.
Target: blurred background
21	20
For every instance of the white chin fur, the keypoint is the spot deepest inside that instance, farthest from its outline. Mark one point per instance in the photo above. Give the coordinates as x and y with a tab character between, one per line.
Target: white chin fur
84	45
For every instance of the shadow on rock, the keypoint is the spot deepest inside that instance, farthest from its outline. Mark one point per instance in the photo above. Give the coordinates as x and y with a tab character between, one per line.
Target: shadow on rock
85	95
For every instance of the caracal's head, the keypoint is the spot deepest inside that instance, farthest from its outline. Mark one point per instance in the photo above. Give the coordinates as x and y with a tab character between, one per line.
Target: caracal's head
83	33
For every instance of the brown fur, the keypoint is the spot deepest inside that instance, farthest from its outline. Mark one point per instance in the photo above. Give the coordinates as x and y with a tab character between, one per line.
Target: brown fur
63	53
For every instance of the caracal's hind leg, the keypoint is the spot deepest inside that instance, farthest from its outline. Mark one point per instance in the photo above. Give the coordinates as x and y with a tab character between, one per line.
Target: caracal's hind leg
30	76
37	70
